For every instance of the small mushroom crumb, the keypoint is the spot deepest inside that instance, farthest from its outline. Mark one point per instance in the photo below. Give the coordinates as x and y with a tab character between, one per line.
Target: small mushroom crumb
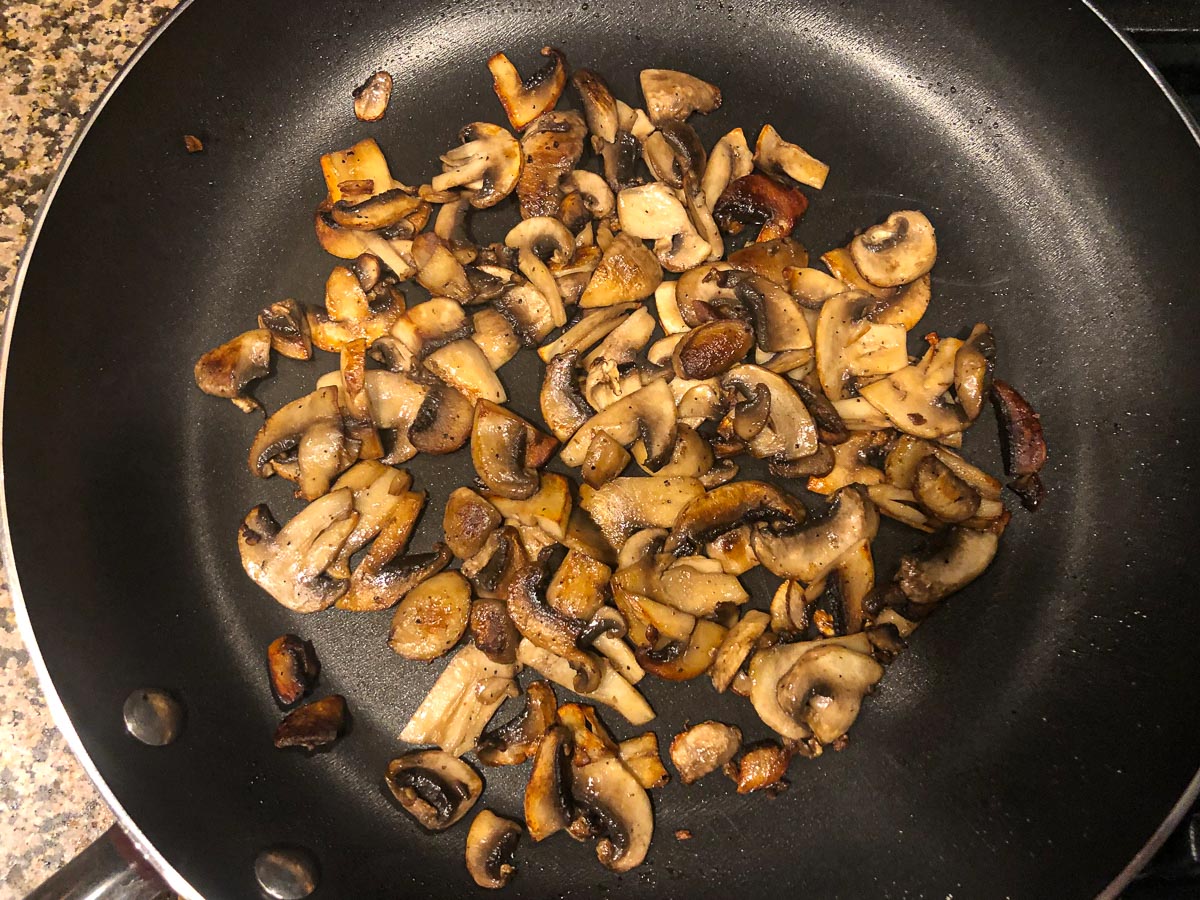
192	143
372	96
683	834
313	725
823	620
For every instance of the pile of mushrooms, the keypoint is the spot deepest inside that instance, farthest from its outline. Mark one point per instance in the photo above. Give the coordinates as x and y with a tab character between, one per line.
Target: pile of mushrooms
684	336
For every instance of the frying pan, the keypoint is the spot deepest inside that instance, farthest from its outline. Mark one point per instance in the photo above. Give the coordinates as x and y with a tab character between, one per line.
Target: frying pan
1042	726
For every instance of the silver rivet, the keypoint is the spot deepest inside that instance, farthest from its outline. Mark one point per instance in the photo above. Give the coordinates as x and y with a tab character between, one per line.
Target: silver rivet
286	872
153	716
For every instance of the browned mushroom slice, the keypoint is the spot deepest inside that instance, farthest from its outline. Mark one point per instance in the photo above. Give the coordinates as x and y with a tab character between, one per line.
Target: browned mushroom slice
757	199
604	461
704	748
730	505
349	314
735	648
551	148
432	617
443	423
973	370
594	194
357	420
771	259
729	160
640	756
378	211
550	630
526	99
851	465
761	767
579	586
488	163
943	493
654	212
312	426
313	725
673	96
468	522
598	104
529	314
627	271
825	687
897	251
647	415
779	323
493	569
680	661
226	370
501	446
563	407
491	846
625	505
548	803
492	630
371	97
438	270
775	156
1023	442
955	559
914	398
790	432
463	365
517	740
808	553
379	494
614	690
711	349
288	323
433	787
293	667
360	164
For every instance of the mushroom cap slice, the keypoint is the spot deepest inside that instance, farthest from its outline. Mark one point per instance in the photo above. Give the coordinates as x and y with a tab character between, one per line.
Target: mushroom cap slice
435	788
914	398
614	689
651	211
790	432
287	322
958	558
728	506
612	799
548	794
898	250
943	493
771	259
627	271
625	505
517	740
543	241
973	370
810	552
563	406
598	197
704	748
775	156
673	96
779	322
526	99
226	370
825	687
468	522
443	421
598	104
311	425
508	451
551	630
551	148
463	366
432	617
730	160
491	844
647	415
488	163
289	563
758	199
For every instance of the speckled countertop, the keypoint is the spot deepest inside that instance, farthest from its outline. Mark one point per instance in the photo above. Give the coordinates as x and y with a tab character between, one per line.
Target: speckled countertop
56	58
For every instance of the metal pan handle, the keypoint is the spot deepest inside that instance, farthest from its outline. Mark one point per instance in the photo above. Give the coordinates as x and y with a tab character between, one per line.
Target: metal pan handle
110	869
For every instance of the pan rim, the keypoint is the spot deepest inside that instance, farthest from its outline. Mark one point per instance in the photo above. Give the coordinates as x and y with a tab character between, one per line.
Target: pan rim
58	713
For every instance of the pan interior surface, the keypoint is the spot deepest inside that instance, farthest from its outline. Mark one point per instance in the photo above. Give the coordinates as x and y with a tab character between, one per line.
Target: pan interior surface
1030	741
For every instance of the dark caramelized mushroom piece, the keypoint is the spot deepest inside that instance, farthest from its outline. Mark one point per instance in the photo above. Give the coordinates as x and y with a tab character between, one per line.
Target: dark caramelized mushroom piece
491	845
551	630
526	99
954	560
551	148
493	631
292	664
751	415
761	767
886	642
313	725
711	349
563	406
435	788
1022	440
226	370
517	740
548	804
830	427
507	451
943	493
757	199
377	212
443	423
818	464
372	96
288	323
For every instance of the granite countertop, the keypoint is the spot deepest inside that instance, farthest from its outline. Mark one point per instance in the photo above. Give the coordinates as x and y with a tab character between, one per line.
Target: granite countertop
56	57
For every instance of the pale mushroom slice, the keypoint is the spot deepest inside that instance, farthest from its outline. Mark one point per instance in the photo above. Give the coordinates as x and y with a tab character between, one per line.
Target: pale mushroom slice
628	504
289	563
613	691
597	196
591	328
463	366
849	344
542	242
775	156
438	269
973	370
704	748
551	148
377	489
790	432
488	163
897	251
914	398
606	792
526	99
825	687
729	160
654	212
491	845
225	371
396	401
599	106
647	415
311	427
627	272
808	553
673	96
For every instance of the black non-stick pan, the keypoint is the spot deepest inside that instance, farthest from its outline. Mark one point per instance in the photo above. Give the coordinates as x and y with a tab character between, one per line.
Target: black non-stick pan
1042	726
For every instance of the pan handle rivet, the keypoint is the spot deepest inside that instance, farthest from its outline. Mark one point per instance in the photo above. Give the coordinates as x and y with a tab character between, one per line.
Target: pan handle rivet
286	872
153	716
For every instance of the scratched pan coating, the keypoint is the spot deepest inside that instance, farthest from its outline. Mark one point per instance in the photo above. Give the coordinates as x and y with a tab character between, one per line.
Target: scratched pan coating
1041	727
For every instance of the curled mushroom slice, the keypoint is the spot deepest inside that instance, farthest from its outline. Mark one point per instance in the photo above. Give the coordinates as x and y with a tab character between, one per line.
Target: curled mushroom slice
539	242
704	748
287	322
597	196
491	845
226	370
432	617
313	725
973	370
953	561
507	451
488	163
682	661
711	349
758	199
673	96
729	160
551	148
599	107
825	687
775	156
312	426
807	553
617	809
526	99
517	740
350	314
647	415
289	563
550	630
627	271
914	398
293	667
897	251
728	506
433	787
614	690
943	493
779	322
1022	440
790	432
438	270
548	803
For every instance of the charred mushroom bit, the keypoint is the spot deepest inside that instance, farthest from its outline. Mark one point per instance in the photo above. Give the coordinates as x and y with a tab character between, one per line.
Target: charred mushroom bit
688	351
